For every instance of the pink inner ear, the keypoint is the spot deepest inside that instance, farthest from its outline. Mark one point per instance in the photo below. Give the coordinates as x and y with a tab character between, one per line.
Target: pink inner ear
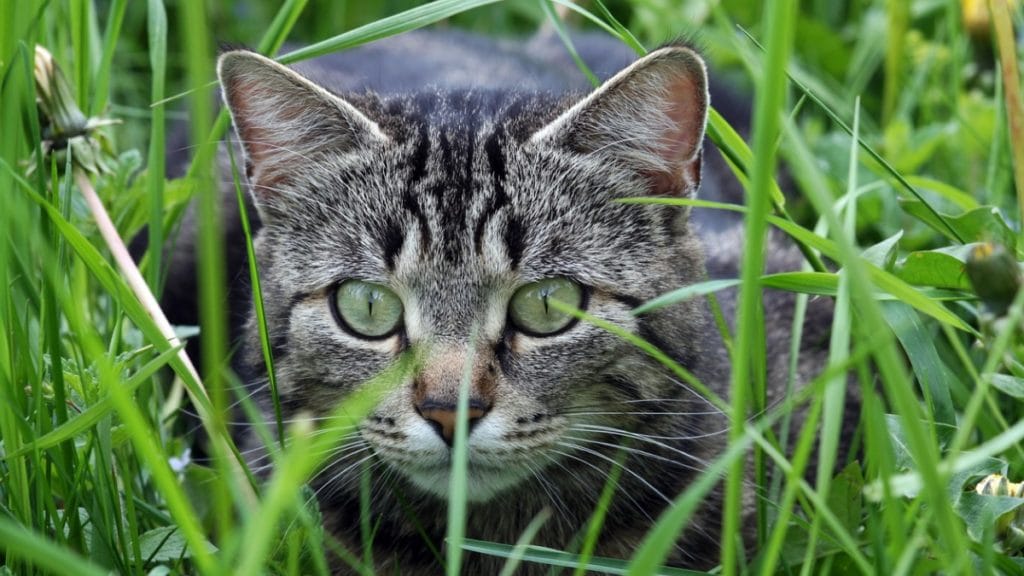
243	95
682	142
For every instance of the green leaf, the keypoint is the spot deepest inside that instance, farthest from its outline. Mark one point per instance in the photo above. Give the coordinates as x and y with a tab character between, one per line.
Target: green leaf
883	254
166	544
932	373
822	283
942	268
980	512
1009	385
983	224
947	191
845	497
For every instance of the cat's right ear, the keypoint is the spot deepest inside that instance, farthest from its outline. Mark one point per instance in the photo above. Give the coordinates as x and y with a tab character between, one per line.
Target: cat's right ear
648	118
285	121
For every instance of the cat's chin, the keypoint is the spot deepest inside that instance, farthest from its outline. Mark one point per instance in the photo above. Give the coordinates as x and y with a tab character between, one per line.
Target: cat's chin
482	485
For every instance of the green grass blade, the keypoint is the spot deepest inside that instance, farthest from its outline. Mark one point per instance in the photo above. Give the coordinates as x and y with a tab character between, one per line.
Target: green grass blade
411	19
559	27
22	544
282	24
456	532
156	27
114	19
96	411
601	509
748	369
518	552
661	539
552	557
684	293
895	174
652	350
257	296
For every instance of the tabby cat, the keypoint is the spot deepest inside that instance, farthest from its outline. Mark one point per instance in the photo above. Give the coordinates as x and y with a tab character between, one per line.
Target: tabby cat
437	191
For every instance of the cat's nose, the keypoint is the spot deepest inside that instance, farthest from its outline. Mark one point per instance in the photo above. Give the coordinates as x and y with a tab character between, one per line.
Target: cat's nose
442	417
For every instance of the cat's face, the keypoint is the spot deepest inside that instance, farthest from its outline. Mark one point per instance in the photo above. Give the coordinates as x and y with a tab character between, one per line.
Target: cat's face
448	224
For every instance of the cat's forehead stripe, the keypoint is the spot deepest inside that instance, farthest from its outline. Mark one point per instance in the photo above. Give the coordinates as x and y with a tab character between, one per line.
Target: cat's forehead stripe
456	180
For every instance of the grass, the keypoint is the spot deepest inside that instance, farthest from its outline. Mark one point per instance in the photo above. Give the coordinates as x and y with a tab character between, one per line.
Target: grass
902	148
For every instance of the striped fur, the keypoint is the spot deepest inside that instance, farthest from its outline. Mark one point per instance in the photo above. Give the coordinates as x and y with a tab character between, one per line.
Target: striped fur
454	197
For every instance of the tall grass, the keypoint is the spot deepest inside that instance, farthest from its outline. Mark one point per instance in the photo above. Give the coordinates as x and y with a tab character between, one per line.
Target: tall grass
892	122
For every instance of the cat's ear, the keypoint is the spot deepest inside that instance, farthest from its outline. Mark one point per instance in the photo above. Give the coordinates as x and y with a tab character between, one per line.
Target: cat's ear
648	118
285	121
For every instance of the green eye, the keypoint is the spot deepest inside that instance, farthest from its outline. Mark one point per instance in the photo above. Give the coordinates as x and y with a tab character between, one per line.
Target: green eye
531	310
367	310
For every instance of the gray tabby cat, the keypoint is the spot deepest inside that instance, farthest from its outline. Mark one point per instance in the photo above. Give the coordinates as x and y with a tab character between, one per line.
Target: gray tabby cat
455	188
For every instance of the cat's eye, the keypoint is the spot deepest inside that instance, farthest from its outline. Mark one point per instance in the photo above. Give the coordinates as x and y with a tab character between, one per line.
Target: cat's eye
531	310
367	310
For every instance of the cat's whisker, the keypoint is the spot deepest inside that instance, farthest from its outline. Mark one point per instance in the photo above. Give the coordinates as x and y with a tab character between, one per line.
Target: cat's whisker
697	396
644	453
550	490
345	443
637	413
606	404
613	462
338	480
610	429
602	474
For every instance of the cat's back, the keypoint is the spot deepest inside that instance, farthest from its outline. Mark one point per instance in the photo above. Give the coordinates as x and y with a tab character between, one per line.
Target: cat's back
453	60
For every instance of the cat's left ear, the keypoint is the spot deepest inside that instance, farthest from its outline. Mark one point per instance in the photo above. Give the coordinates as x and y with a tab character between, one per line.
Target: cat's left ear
648	118
285	122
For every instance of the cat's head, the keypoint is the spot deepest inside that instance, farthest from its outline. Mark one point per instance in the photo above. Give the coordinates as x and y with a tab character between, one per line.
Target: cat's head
448	222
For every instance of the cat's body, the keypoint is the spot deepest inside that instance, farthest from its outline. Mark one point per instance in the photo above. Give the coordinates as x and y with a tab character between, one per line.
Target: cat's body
455	174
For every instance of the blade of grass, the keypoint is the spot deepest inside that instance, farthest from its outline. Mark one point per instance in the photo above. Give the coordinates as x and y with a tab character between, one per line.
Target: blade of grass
305	453
156	27
389	26
96	411
211	275
115	17
684	293
282	24
559	27
897	23
456	532
882	279
517	553
903	183
838	352
19	542
747	382
601	509
257	296
552	557
652	350
661	539
1003	24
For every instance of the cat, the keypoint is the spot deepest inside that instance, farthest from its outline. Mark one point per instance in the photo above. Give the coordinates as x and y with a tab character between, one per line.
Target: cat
438	186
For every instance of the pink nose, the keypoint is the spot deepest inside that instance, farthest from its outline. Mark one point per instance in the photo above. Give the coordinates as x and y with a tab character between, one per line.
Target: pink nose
442	418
